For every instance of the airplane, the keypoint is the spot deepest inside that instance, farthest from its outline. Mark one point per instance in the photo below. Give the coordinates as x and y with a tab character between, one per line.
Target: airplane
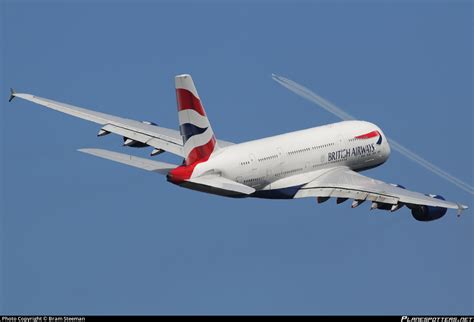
322	162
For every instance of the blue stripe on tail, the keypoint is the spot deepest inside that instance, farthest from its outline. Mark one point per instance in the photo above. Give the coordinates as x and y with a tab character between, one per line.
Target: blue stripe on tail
188	130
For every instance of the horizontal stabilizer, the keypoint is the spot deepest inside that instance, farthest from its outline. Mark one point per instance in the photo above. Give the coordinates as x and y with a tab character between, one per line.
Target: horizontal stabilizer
137	162
222	183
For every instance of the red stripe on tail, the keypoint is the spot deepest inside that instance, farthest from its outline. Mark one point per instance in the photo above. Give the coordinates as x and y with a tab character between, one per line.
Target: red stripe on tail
187	101
197	155
201	152
181	173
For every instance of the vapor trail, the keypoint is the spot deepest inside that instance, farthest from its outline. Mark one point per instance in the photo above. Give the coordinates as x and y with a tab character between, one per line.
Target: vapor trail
330	107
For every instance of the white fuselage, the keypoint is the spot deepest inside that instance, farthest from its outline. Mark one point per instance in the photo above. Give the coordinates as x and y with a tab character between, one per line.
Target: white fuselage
275	162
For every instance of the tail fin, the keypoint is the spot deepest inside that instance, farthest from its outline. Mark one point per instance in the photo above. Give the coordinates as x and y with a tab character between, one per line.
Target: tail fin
198	138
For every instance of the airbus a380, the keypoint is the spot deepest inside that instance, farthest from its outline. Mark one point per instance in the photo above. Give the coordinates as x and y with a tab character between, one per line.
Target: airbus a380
320	162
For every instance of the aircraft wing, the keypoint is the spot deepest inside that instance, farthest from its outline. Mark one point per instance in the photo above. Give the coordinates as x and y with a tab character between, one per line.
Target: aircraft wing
152	135
137	162
342	182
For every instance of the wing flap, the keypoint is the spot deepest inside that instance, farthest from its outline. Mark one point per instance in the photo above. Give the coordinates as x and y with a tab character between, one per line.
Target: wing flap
159	143
339	192
137	162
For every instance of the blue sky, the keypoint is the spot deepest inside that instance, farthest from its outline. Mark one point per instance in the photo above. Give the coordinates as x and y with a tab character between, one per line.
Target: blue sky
84	235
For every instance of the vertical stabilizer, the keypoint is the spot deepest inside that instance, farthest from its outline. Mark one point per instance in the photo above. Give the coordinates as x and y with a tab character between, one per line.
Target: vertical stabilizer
198	138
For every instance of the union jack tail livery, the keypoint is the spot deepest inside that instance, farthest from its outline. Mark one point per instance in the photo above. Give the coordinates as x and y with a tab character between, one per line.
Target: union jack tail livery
198	138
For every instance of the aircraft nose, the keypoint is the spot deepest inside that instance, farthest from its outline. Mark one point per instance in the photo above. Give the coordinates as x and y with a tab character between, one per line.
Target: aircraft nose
386	150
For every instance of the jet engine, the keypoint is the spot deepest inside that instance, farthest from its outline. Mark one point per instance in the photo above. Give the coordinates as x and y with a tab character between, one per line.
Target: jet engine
428	213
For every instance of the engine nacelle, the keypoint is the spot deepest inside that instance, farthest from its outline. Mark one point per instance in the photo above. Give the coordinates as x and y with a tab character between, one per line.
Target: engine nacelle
428	213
